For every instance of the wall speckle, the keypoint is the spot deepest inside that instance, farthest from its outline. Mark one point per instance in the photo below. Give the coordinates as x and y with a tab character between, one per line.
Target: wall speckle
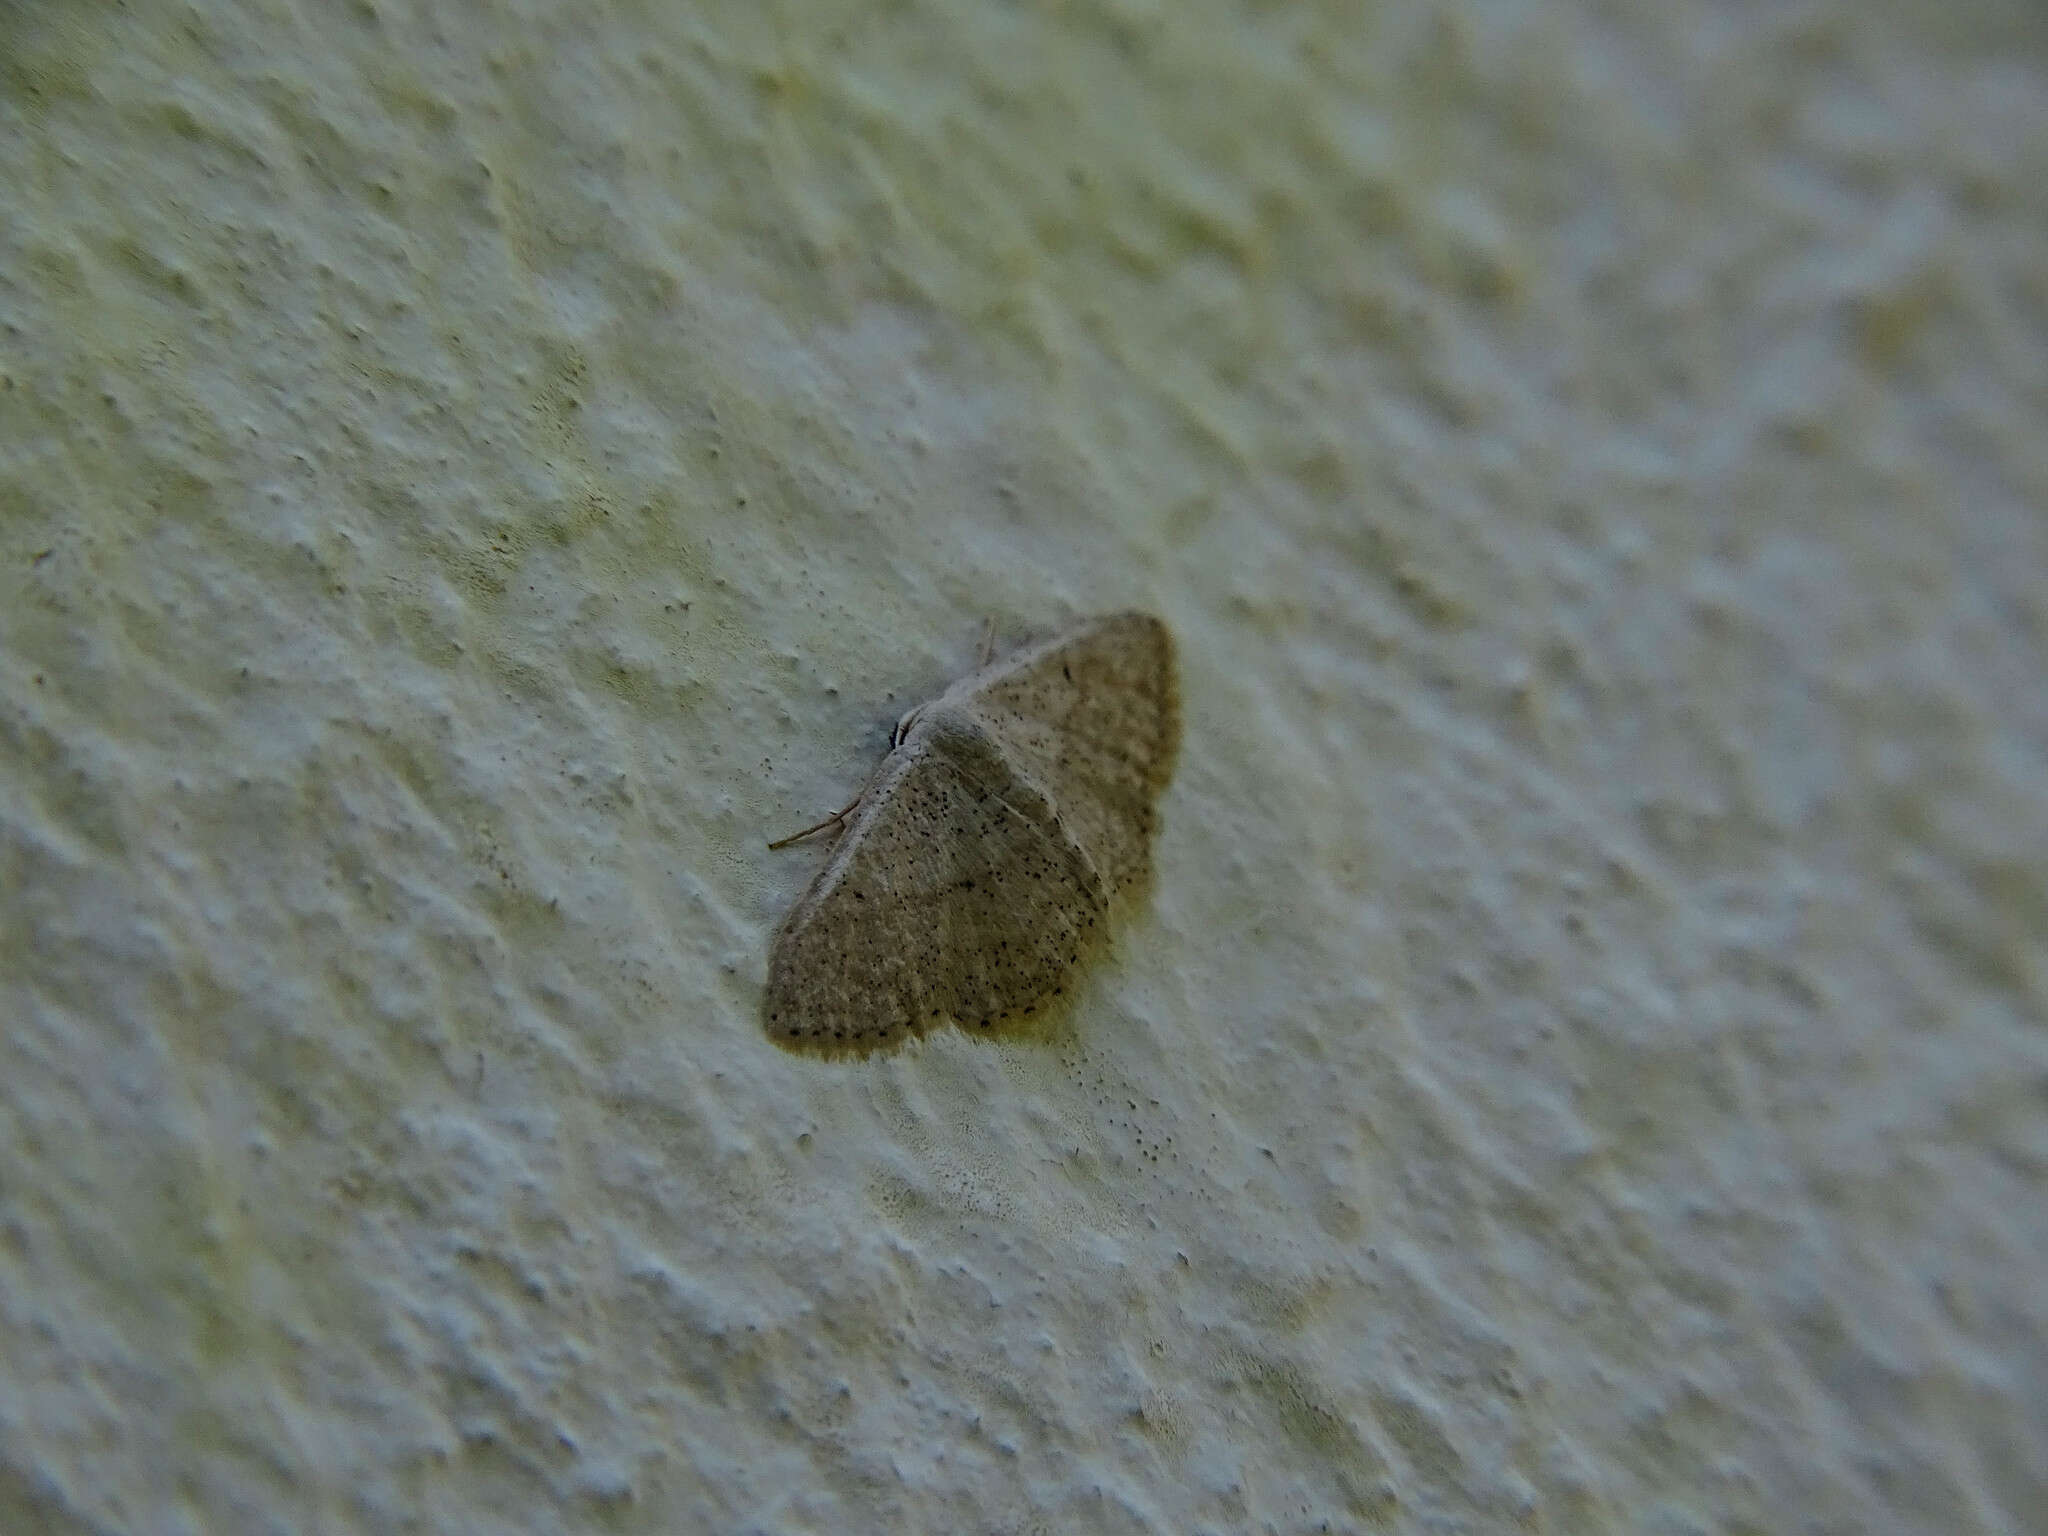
466	481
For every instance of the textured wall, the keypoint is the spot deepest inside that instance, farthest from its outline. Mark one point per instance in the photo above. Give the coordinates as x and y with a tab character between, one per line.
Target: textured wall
467	477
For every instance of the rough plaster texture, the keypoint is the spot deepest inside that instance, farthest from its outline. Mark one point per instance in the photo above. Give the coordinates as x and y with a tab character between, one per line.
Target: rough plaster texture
469	475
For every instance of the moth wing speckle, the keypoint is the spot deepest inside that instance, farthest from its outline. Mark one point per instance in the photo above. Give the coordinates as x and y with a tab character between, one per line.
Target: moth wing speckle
943	901
1093	718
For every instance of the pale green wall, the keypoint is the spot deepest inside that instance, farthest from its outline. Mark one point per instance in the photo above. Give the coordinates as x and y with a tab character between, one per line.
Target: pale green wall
469	475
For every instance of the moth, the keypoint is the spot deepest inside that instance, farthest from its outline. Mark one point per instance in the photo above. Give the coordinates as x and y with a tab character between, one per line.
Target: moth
982	862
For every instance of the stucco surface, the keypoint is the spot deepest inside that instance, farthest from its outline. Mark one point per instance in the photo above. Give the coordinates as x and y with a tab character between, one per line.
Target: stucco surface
469	476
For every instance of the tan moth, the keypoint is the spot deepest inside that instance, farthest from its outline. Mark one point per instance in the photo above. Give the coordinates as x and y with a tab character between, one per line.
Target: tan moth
988	851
